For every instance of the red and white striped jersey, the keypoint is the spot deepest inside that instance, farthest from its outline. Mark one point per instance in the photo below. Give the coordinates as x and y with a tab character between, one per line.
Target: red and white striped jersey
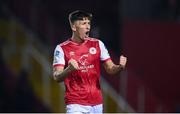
82	86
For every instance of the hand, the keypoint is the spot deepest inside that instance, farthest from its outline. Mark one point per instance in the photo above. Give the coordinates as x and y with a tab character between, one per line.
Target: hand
123	61
73	65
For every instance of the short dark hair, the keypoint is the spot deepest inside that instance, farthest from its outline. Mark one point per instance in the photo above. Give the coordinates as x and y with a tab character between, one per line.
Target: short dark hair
79	15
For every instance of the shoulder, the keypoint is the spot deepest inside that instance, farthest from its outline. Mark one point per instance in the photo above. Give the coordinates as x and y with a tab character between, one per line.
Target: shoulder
95	40
60	46
64	43
92	39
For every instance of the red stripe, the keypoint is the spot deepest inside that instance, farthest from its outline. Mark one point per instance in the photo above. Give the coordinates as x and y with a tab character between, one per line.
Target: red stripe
56	65
106	60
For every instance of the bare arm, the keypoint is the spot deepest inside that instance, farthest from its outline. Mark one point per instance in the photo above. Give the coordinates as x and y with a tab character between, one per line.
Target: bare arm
112	68
59	73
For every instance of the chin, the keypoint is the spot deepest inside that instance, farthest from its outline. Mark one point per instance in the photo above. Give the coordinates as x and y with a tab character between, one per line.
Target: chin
86	36
83	38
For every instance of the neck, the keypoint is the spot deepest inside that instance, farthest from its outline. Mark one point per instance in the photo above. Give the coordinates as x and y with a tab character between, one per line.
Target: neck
77	39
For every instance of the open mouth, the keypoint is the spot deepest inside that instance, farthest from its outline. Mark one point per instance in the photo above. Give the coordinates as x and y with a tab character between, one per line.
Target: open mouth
87	33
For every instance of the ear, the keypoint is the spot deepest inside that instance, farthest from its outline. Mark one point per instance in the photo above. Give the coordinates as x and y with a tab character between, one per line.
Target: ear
73	27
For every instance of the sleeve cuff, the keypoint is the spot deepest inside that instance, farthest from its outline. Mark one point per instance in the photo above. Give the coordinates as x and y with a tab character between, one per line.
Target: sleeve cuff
106	59
56	65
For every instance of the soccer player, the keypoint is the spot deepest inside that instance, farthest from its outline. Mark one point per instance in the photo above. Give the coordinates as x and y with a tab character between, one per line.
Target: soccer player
77	63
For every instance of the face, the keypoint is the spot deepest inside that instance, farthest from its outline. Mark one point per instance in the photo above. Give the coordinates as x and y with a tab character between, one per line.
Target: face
81	28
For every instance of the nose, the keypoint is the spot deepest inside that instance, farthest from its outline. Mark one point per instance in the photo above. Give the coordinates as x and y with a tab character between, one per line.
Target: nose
88	27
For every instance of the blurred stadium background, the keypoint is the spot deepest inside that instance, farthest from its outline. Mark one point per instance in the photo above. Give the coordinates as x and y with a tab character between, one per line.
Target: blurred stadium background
146	31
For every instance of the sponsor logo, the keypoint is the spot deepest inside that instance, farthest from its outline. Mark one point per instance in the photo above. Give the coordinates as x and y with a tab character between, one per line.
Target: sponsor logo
84	64
85	68
83	60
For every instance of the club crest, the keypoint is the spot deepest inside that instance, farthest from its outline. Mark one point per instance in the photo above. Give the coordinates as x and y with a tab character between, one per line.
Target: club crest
92	50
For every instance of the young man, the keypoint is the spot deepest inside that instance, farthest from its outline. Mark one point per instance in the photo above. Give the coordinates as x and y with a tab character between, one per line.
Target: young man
77	63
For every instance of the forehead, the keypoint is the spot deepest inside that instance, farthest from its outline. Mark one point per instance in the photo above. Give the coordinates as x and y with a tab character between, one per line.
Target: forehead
85	19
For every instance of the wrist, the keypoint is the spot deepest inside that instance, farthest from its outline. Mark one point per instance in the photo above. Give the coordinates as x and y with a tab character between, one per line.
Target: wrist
69	69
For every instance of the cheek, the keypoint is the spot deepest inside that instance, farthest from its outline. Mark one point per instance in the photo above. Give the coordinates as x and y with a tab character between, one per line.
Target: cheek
80	30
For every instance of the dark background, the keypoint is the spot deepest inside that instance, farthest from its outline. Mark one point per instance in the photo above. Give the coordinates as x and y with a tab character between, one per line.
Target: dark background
146	31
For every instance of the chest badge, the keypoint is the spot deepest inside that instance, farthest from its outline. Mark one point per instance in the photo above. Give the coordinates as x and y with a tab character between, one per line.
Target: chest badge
92	50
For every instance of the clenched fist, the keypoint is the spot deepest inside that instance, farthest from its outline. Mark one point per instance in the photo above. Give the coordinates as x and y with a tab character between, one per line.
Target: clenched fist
73	64
123	61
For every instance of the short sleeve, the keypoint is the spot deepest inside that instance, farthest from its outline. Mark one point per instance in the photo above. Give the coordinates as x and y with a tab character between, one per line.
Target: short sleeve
58	56
104	52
